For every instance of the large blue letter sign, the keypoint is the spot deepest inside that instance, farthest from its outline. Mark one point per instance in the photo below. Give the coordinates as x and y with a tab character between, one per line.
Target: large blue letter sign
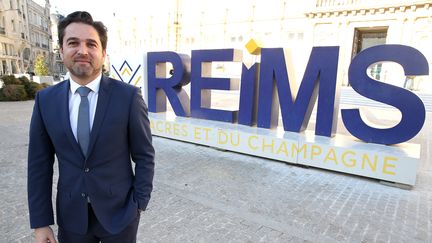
319	78
248	95
160	87
265	87
409	104
202	83
272	71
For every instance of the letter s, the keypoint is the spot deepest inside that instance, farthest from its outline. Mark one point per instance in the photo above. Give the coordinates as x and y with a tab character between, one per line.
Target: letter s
409	104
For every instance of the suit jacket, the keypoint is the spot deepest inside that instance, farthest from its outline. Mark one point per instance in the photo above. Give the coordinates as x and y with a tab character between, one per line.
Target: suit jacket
120	132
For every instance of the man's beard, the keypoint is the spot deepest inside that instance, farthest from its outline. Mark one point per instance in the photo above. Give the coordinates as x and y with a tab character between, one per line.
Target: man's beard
84	72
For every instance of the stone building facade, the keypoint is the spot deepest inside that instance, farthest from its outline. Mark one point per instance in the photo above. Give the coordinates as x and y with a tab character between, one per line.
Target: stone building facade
25	32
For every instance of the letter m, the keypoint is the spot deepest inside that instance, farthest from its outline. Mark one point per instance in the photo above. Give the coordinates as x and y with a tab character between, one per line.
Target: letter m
319	80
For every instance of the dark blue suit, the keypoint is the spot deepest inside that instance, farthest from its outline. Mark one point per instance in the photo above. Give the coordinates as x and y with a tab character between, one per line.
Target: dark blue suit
120	132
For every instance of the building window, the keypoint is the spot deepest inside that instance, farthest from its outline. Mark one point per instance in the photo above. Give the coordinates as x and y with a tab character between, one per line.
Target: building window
2	26
291	36
5	49
5	67
368	37
300	36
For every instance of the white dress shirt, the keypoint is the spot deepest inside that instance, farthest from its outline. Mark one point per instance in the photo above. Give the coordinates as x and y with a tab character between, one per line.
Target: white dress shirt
75	100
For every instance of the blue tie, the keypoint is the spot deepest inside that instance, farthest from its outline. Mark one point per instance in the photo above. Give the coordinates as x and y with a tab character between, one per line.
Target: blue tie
83	126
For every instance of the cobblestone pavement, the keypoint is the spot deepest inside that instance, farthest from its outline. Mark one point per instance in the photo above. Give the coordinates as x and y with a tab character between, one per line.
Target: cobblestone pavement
206	195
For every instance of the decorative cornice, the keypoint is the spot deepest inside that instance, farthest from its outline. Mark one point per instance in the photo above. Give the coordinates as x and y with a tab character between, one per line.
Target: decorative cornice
327	12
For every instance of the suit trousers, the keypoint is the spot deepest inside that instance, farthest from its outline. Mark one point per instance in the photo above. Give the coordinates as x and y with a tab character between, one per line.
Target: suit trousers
96	233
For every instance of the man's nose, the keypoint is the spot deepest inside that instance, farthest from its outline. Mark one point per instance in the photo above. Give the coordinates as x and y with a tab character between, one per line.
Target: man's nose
82	49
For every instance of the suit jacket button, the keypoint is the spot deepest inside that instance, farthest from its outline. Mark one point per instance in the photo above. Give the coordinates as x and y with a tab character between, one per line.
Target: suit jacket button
86	170
83	194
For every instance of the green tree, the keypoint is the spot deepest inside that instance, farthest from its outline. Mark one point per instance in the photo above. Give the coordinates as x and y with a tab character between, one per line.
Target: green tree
41	68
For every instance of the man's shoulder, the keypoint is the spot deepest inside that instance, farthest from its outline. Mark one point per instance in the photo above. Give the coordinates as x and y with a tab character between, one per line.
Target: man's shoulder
54	89
117	84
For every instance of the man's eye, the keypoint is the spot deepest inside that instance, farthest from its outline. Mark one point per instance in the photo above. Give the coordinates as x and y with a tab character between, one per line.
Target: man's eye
72	43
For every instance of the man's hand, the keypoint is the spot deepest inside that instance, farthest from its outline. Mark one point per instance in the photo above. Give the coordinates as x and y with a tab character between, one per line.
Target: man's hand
44	235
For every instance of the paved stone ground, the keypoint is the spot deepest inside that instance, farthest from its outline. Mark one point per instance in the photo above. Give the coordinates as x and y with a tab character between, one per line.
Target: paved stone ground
206	195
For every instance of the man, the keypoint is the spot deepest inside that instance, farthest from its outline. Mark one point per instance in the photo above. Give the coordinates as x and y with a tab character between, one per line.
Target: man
94	125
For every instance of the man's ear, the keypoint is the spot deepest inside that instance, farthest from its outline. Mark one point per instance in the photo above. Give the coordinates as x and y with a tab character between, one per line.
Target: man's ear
61	53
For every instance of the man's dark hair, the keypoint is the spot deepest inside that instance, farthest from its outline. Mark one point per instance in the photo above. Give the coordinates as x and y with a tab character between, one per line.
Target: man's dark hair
85	18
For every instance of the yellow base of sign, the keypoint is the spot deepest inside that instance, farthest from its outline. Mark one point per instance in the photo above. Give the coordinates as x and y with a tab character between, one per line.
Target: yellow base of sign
340	153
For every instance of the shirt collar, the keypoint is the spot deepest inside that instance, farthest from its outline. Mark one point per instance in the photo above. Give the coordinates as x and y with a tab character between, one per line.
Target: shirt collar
93	85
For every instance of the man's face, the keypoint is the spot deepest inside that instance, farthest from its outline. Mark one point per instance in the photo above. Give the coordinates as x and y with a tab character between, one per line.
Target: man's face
82	52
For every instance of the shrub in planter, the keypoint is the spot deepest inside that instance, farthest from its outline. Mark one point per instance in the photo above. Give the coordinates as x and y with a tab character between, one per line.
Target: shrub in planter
24	79
32	88
10	79
13	92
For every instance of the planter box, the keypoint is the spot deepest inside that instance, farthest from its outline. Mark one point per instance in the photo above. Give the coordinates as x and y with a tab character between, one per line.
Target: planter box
43	79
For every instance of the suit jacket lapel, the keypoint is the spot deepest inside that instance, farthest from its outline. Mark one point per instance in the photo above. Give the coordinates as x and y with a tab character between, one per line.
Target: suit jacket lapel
65	116
102	105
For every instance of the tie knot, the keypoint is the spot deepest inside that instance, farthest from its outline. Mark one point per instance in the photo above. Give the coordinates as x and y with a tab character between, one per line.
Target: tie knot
83	91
